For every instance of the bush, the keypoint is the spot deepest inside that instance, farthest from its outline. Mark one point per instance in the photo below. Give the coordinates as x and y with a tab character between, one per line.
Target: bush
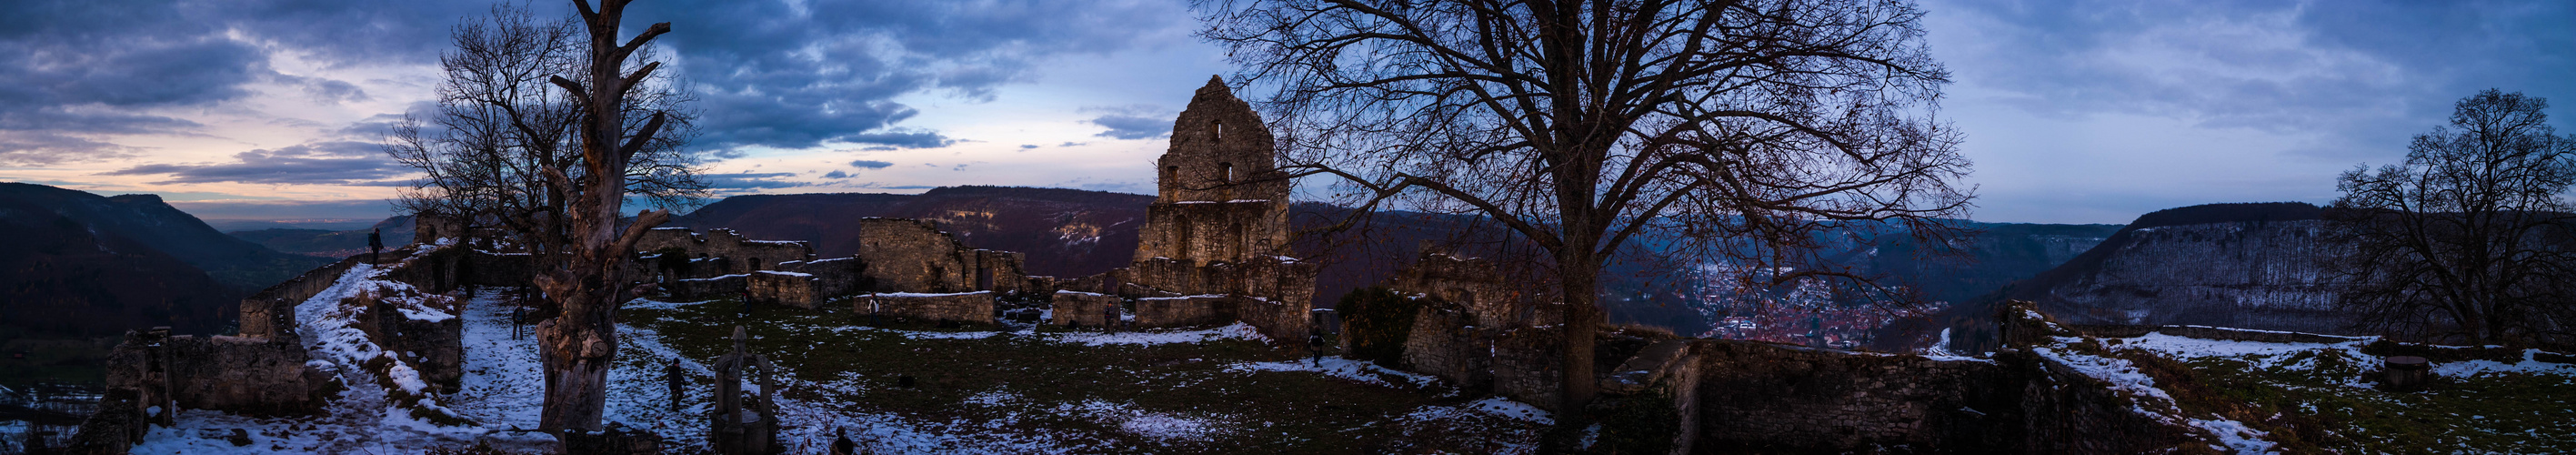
1377	320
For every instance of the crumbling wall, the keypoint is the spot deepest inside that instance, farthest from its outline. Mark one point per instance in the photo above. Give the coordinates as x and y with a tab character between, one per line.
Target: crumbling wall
1446	343
1189	311
1756	396
1279	297
708	288
1529	365
1219	197
743	255
1083	309
266	312
771	287
973	307
1471	282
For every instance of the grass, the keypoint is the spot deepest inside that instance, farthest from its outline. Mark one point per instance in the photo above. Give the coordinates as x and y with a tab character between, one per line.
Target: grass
1026	383
2311	402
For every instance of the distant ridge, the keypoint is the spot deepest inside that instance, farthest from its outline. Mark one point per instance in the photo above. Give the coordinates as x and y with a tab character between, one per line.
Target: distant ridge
80	264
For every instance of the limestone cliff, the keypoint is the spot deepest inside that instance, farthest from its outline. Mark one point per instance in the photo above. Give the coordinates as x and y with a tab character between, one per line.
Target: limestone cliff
2255	266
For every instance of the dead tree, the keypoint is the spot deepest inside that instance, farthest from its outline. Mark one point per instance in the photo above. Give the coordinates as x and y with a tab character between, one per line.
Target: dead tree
2470	238
1723	130
580	342
499	123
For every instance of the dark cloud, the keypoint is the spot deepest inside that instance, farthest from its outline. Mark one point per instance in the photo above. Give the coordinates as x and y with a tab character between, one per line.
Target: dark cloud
363	209
797	74
319	163
2368	70
870	164
837	175
1132	122
898	139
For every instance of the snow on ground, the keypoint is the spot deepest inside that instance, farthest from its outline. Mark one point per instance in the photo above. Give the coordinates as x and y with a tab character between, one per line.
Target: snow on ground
2528	365
362	419
1360	371
2124	376
1239	331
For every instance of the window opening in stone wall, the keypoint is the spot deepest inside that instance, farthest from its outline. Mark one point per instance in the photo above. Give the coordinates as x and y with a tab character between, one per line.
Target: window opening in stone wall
1220	131
1226	170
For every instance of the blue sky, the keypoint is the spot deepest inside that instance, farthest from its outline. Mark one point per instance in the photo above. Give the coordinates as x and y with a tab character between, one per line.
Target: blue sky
2075	111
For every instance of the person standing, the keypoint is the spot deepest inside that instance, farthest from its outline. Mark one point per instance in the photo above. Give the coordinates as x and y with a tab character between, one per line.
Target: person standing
679	382
1315	348
375	245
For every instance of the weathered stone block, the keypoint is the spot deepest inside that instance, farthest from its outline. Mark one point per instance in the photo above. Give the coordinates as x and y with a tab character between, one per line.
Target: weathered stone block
773	287
974	307
1190	311
1083	309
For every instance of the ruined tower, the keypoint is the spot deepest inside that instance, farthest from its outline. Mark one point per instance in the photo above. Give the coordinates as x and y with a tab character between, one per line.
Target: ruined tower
1220	197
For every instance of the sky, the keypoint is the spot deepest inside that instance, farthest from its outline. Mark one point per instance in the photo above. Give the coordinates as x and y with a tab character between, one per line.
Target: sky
2074	111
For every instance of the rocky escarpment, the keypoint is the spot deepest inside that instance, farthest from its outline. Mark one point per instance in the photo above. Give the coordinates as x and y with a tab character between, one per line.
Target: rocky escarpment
2257	266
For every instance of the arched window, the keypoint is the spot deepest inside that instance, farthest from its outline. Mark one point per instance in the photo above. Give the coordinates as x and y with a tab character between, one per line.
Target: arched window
1226	170
1220	131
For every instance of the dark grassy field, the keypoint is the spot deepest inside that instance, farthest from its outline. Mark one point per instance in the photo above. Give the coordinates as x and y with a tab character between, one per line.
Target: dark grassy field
1042	383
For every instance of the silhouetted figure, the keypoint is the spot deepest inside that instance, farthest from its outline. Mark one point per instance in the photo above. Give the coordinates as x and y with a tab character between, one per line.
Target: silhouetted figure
841	444
375	246
518	316
1315	348
679	382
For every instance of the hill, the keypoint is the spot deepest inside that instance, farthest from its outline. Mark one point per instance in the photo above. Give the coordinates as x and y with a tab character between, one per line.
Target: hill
329	243
80	265
1066	233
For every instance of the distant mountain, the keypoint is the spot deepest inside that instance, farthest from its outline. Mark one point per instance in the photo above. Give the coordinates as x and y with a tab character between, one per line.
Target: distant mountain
1066	233
2252	266
329	243
78	264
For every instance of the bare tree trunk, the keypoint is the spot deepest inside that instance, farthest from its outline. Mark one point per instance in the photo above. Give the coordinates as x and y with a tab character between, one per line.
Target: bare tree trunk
1582	324
580	343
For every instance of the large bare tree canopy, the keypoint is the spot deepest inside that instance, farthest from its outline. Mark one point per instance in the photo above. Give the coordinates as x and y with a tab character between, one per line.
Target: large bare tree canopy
499	123
2472	236
1741	128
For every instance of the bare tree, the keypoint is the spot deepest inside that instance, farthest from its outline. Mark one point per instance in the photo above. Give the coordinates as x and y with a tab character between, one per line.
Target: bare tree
1726	130
499	123
2471	237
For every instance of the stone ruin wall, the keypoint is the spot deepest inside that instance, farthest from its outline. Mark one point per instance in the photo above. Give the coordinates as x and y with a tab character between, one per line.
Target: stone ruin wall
1189	311
742	255
1082	309
906	255
966	307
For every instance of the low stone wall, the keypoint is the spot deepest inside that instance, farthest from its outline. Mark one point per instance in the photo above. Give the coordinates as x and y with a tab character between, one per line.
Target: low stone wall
2209	333
264	313
709	288
1083	309
974	307
743	255
1529	365
247	376
1190	311
1759	397
1444	342
771	287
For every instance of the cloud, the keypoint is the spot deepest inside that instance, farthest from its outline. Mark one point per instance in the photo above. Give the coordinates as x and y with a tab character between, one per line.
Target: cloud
737	182
799	74
1027	146
367	209
1132	122
317	163
870	164
2375	71
902	139
1073	144
837	175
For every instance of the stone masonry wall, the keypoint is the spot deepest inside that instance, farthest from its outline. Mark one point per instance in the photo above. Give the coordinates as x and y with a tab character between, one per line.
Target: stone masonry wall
974	307
1083	309
1190	311
1760	397
1445	342
745	255
773	287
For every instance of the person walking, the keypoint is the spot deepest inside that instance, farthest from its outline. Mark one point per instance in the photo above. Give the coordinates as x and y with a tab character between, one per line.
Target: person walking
375	246
1315	348
679	382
